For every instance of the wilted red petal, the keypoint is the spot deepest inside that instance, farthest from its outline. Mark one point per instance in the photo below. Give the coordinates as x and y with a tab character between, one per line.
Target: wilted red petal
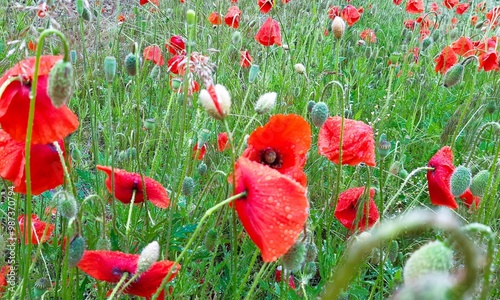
438	180
347	208
269	34
275	209
232	18
37	229
153	53
358	144
126	182
288	137
468	198
175	45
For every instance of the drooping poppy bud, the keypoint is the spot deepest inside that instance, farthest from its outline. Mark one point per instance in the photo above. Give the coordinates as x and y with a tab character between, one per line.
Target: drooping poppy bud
432	257
479	182
60	83
310	106
67	205
454	75
253	73
131	64
293	259
460	180
187	186
76	250
319	114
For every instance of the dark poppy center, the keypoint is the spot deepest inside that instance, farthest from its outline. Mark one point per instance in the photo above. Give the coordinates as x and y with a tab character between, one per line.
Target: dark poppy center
272	158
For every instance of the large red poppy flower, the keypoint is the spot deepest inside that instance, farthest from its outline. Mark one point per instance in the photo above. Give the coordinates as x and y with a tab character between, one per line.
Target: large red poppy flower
350	14
37	230
461	8
3	277
438	179
415	6
358	144
270	33
46	168
446	59
449	4
282	144
347	209
265	5
463	46
232	18
153	53
110	266
50	123
214	18
127	182
489	61
274	210
175	45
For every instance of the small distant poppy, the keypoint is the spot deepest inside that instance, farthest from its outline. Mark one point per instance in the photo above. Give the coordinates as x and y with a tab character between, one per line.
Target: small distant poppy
446	59
463	46
333	11
462	8
38	227
246	59
32	46
50	123
199	153
232	18
489	61
397	2
468	198
173	64
278	275
153	53
46	168
155	2
269	34
110	266
415	6
265	5
214	18
368	35
126	182
346	210
4	271
481	7
274	210
358	144
410	24
222	142
493	15
438	179
435	8
473	20
285	1
175	45
350	14
282	144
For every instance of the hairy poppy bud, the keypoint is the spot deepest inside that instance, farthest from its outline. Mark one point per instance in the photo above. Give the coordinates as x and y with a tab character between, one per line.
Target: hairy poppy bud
311	252
86	15
202	169
392	253
293	259
76	249
427	42
432	286
60	83
187	186
253	73
310	105
430	258
109	68
211	240
376	256
67	205
148	257
131	64
236	39
72	56
41	286
103	244
435	35
338	27
216	101
454	33
454	75
479	182
299	68
191	17
265	103
460	180
155	73
319	114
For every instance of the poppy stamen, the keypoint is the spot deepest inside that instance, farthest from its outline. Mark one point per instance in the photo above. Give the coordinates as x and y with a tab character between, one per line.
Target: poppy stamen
271	158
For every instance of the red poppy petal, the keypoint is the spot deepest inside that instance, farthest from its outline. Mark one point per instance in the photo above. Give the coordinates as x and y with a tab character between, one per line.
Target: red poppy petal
38	228
269	33
275	209
438	180
11	157
108	265
149	281
347	207
468	198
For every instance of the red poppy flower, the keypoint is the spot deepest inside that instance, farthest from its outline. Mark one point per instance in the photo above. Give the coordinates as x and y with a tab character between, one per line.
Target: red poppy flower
489	61
463	46
37	230
153	53
274	210
175	45
32	46
232	18
347	209
481	7
468	198
155	2
358	144
449	4
126	182
270	33
46	168
446	59
493	15
222	142
282	144
461	8
397	2
246	59
333	11
265	5
435	7
278	275
485	46
415	6
214	18
285	1
110	266
50	123
350	14
368	35
438	179
473	20
3	278
201	152
410	24
173	64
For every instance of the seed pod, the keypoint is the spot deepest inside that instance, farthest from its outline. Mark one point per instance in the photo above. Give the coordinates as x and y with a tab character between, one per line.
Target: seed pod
109	68
319	114
187	186
76	249
41	286
76	154
293	259
454	75
384	146
202	169
131	64
430	258
60	83
149	124
311	252
479	182
460	180
310	105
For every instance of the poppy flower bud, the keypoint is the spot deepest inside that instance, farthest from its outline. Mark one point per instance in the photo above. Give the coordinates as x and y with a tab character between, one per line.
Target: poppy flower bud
479	182
202	169
103	244
454	75
76	249
149	124
60	83
395	168
454	33
460	180
393	252
310	105
72	56
176	84
311	252
319	114
338	27
203	136
310	268
236	38
109	68
426	42
86	14
187	186
211	240
384	146
191	17
293	259
155	73
299	68
67	205
430	258
368	52
41	286
491	107
148	257
131	153
435	35
131	64
216	101
265	103
403	173
253	73
432	286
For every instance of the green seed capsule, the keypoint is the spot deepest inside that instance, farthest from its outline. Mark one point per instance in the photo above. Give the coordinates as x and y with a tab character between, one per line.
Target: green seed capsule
479	182
460	180
131	64
454	75
61	82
